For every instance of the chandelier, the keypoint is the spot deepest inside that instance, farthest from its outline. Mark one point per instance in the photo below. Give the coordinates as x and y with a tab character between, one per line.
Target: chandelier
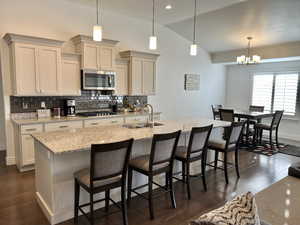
247	60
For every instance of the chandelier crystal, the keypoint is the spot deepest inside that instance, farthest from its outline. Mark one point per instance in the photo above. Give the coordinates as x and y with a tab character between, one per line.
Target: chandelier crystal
247	60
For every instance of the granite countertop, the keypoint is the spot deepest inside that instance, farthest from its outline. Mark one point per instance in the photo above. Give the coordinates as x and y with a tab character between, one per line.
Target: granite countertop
81	139
77	118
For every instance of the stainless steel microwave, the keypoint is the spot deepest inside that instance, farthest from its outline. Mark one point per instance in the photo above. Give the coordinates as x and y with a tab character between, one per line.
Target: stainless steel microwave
98	80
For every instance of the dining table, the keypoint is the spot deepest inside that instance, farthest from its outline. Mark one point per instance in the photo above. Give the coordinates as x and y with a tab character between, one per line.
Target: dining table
248	116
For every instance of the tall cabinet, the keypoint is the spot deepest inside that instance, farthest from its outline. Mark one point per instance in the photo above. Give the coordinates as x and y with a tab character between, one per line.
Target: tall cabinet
36	65
142	72
96	55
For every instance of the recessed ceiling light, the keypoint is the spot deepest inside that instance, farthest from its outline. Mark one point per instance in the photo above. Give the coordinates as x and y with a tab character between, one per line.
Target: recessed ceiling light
168	7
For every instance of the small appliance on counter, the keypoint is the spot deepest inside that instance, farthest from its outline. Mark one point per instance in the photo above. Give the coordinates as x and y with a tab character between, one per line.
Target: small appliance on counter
43	112
114	107
70	107
56	112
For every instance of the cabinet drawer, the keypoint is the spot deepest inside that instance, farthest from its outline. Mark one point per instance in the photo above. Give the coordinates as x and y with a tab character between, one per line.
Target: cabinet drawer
63	126
136	119
30	129
103	122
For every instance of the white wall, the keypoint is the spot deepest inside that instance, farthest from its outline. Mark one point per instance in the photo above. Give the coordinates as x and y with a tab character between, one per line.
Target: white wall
239	90
62	20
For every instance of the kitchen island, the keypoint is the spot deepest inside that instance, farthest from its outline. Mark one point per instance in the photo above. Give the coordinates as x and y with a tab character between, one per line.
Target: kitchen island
59	154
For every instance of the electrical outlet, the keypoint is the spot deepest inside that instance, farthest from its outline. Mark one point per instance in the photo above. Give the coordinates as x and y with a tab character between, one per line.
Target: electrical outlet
43	105
24	105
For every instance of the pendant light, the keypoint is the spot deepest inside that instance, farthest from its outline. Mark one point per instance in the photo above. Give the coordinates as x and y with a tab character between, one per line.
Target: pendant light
153	38
248	59
97	30
193	47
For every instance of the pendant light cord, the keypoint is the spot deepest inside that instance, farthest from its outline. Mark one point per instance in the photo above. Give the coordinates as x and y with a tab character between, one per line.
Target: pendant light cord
97	12
153	16
195	15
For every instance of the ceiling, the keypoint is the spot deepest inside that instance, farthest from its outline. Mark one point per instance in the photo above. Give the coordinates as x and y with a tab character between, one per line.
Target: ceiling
269	22
142	9
221	24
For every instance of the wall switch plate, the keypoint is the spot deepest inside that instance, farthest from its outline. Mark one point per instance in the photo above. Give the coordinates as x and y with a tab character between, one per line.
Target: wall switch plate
43	105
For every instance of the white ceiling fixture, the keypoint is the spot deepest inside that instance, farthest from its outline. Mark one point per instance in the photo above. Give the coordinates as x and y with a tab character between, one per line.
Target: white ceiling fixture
97	29
168	7
247	60
153	38
193	47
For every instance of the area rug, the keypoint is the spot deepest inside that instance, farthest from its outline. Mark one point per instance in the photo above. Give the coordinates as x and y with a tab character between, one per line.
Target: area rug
265	149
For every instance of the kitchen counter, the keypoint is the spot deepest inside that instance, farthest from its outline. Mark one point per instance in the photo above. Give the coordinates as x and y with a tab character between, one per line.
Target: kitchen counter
81	139
77	118
59	154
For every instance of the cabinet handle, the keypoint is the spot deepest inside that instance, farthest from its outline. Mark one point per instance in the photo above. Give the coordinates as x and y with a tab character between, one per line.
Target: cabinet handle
94	123
31	129
63	126
114	121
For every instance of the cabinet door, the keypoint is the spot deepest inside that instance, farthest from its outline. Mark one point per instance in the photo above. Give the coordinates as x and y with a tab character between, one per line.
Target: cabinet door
70	78
49	66
107	58
148	77
26	74
27	149
90	57
122	80
135	82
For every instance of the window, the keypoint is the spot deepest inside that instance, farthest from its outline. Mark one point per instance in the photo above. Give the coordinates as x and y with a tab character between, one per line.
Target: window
277	91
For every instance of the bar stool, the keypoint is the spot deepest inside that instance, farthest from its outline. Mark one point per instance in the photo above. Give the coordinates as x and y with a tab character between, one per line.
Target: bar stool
108	169
159	161
215	111
195	151
229	145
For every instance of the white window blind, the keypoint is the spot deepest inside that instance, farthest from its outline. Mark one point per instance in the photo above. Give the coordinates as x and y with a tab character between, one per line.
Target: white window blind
276	92
285	96
262	91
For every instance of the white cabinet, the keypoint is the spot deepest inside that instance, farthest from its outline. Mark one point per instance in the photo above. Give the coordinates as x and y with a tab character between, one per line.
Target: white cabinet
103	122
142	72
70	78
96	55
36	65
26	147
121	78
63	126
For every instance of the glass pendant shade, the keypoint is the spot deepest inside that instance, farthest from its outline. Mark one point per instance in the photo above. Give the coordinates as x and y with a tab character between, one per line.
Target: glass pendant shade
193	50
153	43
97	33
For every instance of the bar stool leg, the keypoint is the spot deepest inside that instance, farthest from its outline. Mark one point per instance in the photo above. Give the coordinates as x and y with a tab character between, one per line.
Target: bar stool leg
225	167
150	201
167	180
172	189
183	172
76	200
236	157
129	186
124	205
188	180
271	141
91	209
277	142
107	195
216	159
203	167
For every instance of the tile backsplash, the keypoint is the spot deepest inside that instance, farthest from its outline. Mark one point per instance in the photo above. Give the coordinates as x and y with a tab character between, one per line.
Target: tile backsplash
88	100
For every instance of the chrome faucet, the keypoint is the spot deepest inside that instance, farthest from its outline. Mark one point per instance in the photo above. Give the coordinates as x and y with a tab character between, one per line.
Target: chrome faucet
151	118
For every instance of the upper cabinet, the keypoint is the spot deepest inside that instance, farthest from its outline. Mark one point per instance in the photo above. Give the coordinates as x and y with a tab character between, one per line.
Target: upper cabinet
70	83
142	72
121	77
96	55
36	65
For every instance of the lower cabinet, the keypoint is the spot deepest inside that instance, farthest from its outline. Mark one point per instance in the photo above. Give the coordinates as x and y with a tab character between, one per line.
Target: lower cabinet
103	122
27	144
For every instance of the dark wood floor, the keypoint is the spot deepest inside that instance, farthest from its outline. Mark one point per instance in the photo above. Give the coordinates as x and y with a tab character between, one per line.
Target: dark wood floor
18	205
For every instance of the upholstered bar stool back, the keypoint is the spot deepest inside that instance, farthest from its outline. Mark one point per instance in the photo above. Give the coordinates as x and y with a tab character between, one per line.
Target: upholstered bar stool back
227	115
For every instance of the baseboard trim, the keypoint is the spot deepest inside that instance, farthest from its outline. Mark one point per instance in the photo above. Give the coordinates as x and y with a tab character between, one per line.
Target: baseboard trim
10	161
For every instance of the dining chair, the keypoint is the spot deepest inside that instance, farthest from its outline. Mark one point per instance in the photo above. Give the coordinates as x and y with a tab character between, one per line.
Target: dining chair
231	144
274	126
215	111
195	151
108	170
227	115
159	161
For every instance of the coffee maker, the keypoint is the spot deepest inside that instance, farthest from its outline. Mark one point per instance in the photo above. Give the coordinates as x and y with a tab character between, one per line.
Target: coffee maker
70	107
